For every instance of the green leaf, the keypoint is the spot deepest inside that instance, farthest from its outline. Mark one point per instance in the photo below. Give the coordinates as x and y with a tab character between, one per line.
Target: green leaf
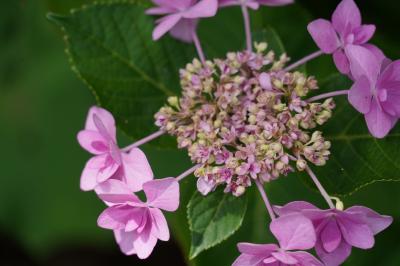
358	159
214	218
111	49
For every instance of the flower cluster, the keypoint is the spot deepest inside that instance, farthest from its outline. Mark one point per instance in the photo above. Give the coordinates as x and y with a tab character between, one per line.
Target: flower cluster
242	117
115	174
302	226
247	119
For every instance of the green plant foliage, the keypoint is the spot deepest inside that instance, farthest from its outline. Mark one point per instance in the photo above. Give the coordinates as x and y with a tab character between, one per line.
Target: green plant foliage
214	218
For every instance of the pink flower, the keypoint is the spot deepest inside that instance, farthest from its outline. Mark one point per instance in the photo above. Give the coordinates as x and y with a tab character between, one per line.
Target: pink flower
138	225
345	28
338	231
99	138
294	232
181	16
254	4
376	90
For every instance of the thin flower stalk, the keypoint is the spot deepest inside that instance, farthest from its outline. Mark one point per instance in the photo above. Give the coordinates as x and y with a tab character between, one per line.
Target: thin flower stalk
144	140
266	200
320	187
247	27
304	60
328	95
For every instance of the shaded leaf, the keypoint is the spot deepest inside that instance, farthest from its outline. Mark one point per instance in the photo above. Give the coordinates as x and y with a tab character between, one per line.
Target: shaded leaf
214	218
111	50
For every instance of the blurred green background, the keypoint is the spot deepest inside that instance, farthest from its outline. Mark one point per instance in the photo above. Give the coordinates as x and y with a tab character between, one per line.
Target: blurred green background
46	220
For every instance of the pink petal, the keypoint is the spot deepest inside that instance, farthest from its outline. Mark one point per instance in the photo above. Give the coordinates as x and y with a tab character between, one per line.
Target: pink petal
93	142
257	249
160	224
294	207
167	23
114	218
336	257
324	35
363	63
105	117
202	9
275	2
390	80
378	121
376	222
331	237
184	29
284	257
360	95
294	231
137	169
159	11
249	260
144	243
376	51
114	191
97	170
355	232
364	33
162	193
125	241
346	17
174	4
305	258
341	61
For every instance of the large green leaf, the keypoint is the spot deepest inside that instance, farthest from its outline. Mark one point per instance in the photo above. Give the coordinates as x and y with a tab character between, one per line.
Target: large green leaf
111	49
214	218
358	159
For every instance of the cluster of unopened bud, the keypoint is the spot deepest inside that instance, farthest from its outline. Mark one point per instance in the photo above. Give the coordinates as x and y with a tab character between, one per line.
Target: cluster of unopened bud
243	118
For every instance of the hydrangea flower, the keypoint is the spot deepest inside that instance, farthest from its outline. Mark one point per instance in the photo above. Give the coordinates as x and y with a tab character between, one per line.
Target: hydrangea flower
293	232
181	16
339	230
376	90
254	4
138	225
99	138
333	37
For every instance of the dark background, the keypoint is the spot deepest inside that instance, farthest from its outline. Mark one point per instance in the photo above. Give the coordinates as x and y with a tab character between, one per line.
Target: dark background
44	218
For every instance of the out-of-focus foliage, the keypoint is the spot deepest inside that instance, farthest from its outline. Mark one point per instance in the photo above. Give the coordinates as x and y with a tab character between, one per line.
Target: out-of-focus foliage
43	105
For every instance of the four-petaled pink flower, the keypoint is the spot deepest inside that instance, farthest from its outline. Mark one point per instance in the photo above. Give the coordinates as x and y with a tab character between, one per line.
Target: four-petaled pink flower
99	138
294	232
254	4
138	225
338	231
345	28
376	91
181	16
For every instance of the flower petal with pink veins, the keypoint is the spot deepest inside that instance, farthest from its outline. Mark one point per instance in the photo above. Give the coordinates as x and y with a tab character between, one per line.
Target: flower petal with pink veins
137	170
360	95
376	222
166	25
346	17
324	35
335	258
379	123
106	118
294	231
331	236
93	142
160	224
203	8
162	193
